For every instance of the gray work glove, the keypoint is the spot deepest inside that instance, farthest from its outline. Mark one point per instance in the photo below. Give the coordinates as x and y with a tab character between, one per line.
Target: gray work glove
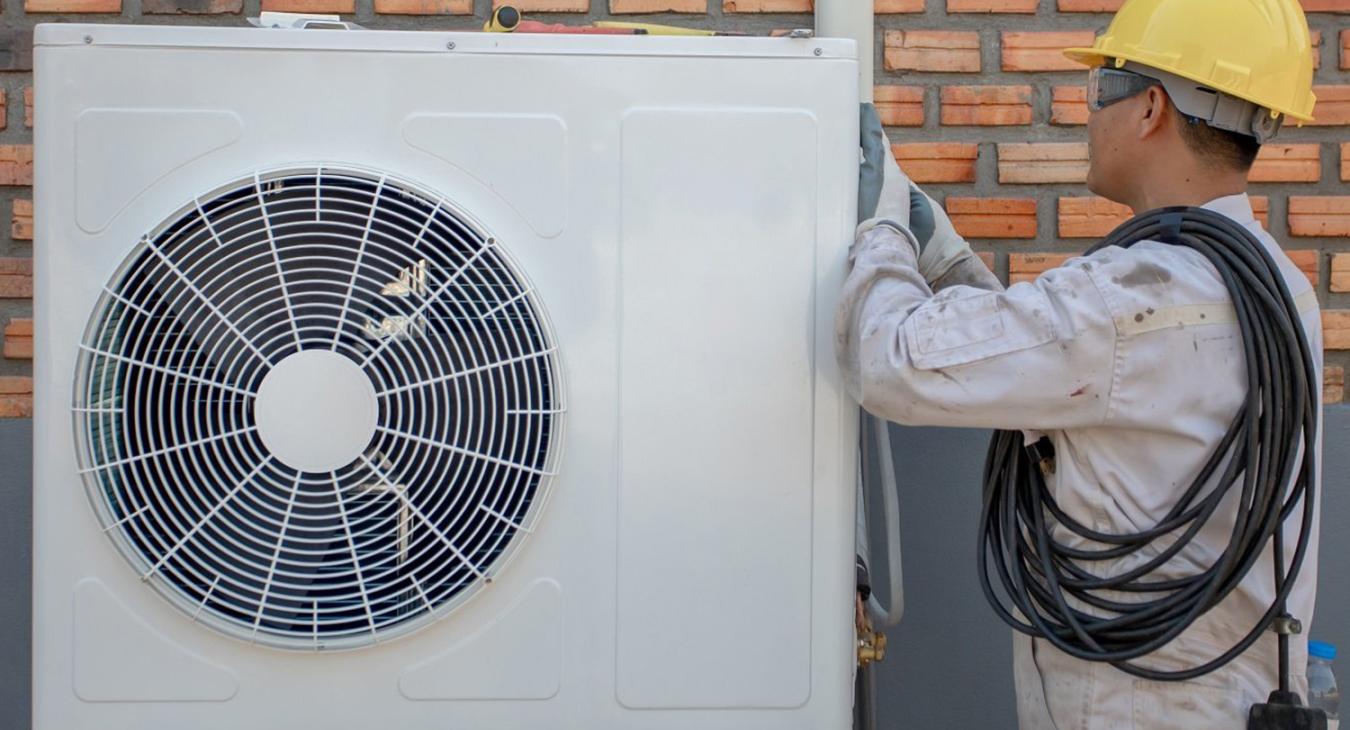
872	140
940	246
883	188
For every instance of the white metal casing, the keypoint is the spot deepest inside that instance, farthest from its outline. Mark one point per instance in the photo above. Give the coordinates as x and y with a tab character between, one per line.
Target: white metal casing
681	207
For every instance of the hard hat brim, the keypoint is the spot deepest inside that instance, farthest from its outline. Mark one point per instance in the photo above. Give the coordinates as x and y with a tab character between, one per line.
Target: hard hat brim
1090	57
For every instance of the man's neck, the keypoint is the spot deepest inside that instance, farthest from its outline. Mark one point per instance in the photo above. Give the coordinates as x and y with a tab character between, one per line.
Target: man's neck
1192	189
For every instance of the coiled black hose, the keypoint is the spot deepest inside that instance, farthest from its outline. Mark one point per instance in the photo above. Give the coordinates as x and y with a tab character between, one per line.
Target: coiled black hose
1267	456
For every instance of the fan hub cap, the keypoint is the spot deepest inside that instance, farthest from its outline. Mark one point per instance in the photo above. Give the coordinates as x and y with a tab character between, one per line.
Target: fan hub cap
316	411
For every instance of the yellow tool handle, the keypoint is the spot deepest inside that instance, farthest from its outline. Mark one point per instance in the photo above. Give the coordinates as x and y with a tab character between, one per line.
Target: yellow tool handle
503	20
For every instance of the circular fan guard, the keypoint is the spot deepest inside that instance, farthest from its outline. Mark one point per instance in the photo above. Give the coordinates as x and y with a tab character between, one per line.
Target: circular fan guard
361	266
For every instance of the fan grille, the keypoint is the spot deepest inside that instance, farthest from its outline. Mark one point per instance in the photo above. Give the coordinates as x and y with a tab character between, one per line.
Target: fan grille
375	270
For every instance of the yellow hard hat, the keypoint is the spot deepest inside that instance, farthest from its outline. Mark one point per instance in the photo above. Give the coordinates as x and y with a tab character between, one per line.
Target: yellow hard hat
1255	50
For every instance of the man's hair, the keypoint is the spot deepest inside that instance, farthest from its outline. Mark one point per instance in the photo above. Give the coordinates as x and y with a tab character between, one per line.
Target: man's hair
1219	147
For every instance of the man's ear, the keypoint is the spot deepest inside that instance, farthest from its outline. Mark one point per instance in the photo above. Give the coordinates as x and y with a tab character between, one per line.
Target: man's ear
1154	113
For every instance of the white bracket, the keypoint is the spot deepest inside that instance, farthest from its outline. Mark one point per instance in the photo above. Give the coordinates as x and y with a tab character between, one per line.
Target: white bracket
307	21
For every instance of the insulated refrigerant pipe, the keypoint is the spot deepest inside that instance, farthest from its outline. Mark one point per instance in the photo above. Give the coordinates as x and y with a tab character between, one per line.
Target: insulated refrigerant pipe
851	19
855	19
888	615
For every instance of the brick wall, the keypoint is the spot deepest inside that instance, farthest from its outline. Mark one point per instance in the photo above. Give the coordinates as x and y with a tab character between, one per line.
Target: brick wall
984	110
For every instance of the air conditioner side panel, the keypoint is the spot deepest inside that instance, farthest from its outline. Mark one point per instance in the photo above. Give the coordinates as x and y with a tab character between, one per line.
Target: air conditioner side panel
715	408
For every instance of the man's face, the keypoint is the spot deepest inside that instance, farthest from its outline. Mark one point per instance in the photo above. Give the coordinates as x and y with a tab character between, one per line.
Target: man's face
1109	148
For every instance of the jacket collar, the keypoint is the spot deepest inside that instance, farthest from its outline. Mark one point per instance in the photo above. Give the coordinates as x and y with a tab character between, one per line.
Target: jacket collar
1238	207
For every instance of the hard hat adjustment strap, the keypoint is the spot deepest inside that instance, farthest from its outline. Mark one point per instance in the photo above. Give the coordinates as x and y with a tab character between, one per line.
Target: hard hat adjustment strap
1213	107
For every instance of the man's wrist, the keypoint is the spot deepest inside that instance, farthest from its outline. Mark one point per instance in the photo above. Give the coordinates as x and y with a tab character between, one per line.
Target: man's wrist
904	233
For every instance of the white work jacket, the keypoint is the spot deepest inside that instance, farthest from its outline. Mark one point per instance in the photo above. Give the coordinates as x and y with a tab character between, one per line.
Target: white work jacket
1130	361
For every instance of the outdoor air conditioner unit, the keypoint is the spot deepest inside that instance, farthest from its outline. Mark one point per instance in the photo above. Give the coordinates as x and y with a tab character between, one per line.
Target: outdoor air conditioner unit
441	380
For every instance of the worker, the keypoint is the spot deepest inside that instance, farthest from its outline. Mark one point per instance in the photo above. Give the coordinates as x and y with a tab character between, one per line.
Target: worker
1119	358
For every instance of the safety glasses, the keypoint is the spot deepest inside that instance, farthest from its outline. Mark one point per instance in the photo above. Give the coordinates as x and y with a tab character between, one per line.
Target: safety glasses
1107	86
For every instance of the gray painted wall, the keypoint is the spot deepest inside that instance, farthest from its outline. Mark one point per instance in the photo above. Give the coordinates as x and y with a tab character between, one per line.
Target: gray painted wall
16	530
949	663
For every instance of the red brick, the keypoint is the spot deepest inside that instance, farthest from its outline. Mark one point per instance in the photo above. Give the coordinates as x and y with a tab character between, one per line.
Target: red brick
1326	6
1333	388
1340	273
932	50
1027	266
72	6
28	107
991	6
21	223
1089	6
899	6
767	6
899	106
656	6
1345	161
986	105
1287	163
15	385
1319	215
1309	262
16	164
1261	209
16	406
937	162
191	7
1333	106
19	339
1090	217
310	6
20	327
16	278
546	6
3	109
16	396
1345	49
1050	162
1336	329
1094	217
1042	50
993	217
423	7
987	258
1068	105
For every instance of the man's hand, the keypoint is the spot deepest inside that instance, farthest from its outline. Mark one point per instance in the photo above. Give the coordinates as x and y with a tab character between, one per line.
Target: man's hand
940	247
894	204
887	197
872	140
922	216
883	188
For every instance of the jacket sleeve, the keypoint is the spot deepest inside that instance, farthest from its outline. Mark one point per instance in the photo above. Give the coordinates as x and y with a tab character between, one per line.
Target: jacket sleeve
970	272
1040	355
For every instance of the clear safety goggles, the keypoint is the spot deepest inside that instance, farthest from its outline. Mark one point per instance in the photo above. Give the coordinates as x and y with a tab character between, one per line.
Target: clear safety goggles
1107	86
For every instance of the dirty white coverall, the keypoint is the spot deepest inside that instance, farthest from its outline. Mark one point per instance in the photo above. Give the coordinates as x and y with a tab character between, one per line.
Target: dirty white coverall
1130	361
